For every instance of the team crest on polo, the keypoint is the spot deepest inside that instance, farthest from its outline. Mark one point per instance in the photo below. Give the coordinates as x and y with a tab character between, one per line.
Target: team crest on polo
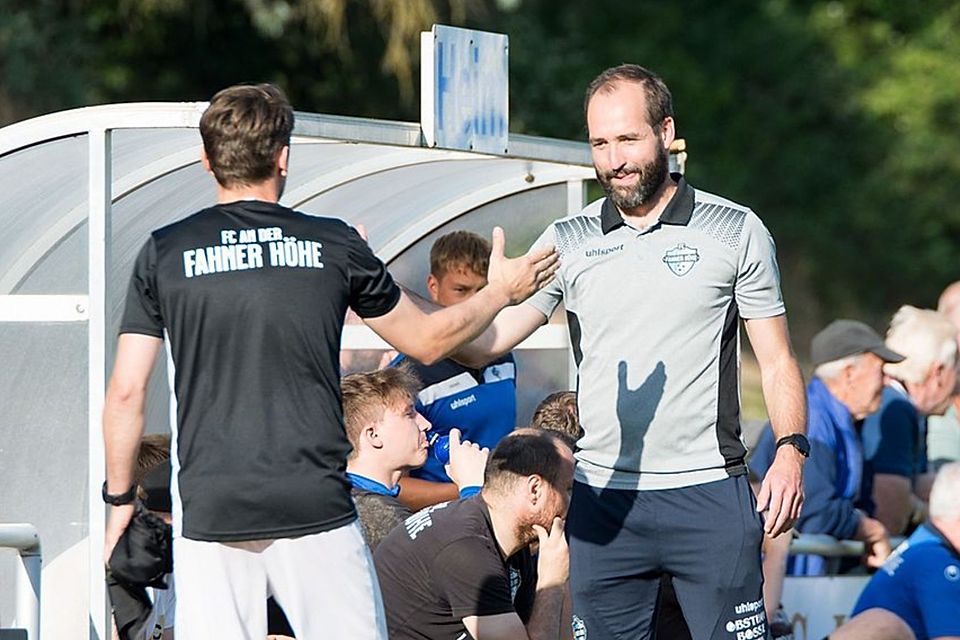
681	259
579	628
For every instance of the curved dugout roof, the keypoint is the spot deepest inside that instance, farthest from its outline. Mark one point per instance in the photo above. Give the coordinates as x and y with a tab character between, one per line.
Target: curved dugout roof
372	172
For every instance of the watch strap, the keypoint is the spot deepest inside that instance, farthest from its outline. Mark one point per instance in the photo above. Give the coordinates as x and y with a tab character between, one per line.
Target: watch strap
120	498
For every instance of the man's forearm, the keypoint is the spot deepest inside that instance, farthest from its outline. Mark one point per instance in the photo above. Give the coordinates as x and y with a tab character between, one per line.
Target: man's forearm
546	621
122	429
784	396
417	493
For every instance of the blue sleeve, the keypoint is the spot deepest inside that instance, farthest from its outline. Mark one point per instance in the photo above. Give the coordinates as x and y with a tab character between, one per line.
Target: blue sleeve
888	438
936	584
825	510
761	457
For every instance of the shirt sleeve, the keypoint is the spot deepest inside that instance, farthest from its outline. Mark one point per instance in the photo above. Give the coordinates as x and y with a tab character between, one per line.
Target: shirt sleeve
473	580
373	292
936	583
888	438
142	311
757	288
546	300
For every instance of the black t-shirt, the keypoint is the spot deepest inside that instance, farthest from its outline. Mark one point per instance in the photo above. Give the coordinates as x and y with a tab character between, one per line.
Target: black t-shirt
442	565
251	297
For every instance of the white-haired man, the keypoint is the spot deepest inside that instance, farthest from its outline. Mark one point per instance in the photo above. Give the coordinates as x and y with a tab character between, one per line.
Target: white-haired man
848	357
894	438
943	432
919	586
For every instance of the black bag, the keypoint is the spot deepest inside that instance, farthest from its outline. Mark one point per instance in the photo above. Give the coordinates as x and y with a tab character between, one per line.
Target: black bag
144	552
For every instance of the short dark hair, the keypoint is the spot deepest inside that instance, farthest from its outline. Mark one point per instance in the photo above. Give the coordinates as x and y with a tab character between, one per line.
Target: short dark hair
526	452
366	396
460	250
558	412
659	100
243	131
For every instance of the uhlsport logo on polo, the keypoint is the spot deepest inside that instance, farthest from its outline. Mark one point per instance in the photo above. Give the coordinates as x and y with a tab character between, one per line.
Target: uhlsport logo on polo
681	259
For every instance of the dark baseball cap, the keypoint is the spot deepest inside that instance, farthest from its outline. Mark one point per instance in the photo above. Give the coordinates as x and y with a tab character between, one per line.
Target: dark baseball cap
842	338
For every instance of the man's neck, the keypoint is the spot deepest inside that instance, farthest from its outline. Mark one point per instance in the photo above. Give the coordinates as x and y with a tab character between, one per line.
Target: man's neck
387	477
266	191
950	531
649	212
504	525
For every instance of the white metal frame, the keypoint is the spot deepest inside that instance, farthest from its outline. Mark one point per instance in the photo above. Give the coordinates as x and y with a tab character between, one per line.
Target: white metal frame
25	539
98	123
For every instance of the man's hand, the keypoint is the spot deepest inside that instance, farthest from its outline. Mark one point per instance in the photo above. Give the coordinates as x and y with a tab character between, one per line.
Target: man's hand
876	542
781	493
519	278
467	461
119	520
553	563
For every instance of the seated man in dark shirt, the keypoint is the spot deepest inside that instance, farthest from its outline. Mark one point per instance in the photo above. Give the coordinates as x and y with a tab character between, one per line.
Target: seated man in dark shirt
387	436
465	567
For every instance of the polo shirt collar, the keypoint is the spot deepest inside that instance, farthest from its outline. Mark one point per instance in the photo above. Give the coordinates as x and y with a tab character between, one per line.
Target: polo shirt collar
677	212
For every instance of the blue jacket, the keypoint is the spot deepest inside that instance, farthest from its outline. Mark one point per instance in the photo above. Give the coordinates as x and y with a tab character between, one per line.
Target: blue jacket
831	478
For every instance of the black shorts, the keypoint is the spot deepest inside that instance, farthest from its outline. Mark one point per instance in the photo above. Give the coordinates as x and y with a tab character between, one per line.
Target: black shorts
707	537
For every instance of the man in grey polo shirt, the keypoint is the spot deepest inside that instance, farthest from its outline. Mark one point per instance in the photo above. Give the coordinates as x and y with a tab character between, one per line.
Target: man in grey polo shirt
654	279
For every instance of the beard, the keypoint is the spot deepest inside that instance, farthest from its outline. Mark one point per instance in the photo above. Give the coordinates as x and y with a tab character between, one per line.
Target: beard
652	176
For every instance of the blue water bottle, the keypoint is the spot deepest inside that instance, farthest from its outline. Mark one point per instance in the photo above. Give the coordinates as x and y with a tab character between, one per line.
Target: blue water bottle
441	448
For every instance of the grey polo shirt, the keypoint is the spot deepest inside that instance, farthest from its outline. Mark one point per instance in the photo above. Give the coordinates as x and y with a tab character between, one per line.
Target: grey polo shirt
654	325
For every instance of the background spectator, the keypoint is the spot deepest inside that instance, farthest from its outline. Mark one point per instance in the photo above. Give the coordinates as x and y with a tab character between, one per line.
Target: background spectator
481	402
388	439
920	582
558	412
465	567
895	480
848	357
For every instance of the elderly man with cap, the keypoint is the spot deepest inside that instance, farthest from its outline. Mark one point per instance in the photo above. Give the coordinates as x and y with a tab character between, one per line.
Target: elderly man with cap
848	357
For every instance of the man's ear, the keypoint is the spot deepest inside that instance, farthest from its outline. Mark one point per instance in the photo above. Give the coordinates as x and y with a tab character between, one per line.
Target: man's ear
433	286
371	436
205	161
668	132
283	160
534	489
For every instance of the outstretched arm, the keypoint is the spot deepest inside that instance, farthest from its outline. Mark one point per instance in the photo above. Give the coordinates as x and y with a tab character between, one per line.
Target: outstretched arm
781	493
430	336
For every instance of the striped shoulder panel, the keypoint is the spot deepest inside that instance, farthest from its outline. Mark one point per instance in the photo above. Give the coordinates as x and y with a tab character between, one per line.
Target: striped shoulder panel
574	231
719	219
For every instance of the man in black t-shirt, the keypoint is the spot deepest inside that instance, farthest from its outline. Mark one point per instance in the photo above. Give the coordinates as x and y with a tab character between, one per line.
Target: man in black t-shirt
465	567
250	297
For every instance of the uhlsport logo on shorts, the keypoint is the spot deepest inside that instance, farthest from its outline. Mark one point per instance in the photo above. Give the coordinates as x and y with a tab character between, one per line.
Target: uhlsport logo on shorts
681	259
579	628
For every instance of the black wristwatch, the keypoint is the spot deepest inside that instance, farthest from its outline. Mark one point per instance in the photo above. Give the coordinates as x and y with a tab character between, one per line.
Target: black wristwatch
120	498
797	441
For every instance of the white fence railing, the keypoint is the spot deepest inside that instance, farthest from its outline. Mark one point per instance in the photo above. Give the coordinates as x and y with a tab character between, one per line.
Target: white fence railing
25	539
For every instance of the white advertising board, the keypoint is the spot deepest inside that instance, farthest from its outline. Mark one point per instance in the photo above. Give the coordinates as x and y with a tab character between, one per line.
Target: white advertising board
464	89
818	605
